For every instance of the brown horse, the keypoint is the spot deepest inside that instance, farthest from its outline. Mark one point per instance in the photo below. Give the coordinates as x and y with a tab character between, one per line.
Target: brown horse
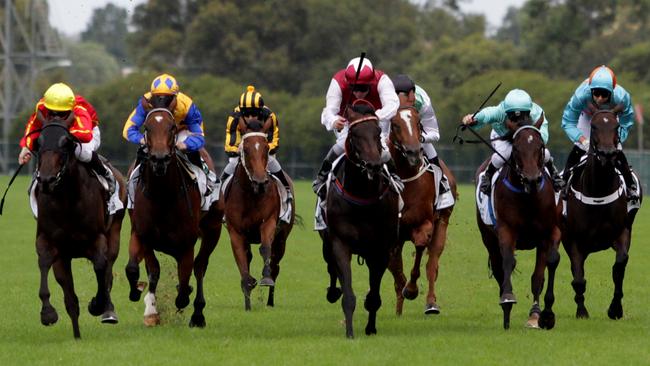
73	222
361	215
420	222
524	206
166	217
251	205
597	214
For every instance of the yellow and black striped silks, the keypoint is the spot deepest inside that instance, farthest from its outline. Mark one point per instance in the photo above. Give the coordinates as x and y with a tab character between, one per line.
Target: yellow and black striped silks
251	98
233	137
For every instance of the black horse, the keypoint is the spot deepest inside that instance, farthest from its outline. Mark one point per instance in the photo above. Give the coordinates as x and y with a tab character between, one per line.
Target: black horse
524	205
73	222
361	216
598	217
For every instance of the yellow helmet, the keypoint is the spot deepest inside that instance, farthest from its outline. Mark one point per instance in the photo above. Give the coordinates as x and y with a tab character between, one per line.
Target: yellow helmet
59	97
164	84
251	99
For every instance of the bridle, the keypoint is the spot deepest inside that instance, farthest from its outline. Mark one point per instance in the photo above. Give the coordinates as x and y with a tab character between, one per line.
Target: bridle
521	178
398	144
355	158
163	163
64	152
242	152
601	155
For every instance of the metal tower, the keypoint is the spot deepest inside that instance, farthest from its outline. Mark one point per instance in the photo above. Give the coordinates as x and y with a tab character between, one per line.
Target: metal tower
28	44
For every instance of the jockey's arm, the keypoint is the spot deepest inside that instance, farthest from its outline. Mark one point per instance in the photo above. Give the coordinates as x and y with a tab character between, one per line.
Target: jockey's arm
431	131
572	111
131	131
28	139
535	113
274	142
82	126
194	123
489	115
333	100
231	145
625	118
389	100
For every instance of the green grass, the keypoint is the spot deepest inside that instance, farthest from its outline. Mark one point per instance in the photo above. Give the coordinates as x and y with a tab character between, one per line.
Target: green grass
304	328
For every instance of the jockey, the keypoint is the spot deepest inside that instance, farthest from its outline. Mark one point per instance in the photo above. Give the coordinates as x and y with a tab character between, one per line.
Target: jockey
190	138
419	98
372	85
516	106
59	100
251	104
601	90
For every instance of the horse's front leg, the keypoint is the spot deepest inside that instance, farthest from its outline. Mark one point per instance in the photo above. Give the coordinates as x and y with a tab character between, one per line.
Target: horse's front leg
342	255
239	251
46	256
278	249
101	304
411	291
372	303
136	254
211	231
267	234
151	316
396	268
507	242
435	251
333	292
63	274
537	284
547	318
185	263
622	247
579	282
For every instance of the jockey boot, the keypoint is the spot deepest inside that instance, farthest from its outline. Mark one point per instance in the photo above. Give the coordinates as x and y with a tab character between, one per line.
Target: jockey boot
97	165
485	186
323	173
626	172
392	170
571	161
558	182
444	183
141	155
195	158
280	175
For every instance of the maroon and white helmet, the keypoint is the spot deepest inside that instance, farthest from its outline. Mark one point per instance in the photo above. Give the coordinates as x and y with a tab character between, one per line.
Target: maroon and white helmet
366	75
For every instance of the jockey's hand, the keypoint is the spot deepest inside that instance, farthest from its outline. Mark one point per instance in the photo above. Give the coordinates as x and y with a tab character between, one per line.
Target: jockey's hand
25	156
142	142
180	145
339	123
469	120
584	143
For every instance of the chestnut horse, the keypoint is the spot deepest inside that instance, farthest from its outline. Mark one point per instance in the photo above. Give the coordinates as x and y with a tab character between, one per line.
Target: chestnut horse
361	216
166	217
420	222
251	206
73	222
598	217
524	206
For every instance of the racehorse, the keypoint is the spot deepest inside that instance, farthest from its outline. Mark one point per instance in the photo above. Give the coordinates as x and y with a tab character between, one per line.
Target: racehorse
598	217
166	217
73	222
524	206
251	204
361	216
420	222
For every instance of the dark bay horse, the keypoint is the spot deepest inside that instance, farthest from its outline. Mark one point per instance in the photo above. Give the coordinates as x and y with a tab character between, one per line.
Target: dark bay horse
166	217
251	206
524	206
420	222
73	222
361	215
597	213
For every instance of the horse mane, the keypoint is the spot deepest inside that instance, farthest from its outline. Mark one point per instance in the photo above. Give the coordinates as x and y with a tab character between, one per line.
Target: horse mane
363	107
255	125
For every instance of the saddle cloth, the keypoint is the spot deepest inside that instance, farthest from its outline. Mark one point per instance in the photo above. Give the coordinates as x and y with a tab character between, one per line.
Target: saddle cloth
114	203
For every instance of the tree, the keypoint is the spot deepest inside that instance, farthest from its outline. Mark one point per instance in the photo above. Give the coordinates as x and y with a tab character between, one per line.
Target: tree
108	27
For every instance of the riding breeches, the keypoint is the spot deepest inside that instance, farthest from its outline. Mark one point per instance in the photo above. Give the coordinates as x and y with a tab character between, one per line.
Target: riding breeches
341	136
84	152
273	165
504	148
429	151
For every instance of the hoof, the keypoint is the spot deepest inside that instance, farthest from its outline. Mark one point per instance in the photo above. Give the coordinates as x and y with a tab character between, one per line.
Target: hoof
197	321
134	295
371	330
267	281
109	317
409	295
547	320
152	320
582	313
49	317
94	308
334	294
431	308
615	311
182	301
533	321
251	283
508	299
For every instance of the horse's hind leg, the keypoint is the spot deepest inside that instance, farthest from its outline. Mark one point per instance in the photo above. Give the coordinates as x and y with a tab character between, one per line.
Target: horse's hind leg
333	292
63	275
267	233
46	257
435	251
136	253
241	252
209	241
411	291
373	298
615	310
349	302
579	282
396	268
547	318
113	249
151	316
100	303
185	263
536	286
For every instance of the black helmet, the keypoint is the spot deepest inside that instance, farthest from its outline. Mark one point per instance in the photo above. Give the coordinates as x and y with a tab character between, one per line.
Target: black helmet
403	83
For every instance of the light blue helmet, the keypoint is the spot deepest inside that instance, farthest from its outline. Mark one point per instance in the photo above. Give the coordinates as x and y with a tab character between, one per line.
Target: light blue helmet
517	100
602	77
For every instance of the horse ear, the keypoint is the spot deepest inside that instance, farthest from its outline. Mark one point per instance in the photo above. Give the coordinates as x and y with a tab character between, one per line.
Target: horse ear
146	104
68	121
241	125
593	108
172	105
539	121
40	117
618	109
268	124
511	126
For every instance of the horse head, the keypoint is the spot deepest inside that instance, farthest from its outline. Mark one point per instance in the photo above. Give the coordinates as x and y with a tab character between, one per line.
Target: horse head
406	132
528	154
363	144
55	149
254	150
604	135
160	137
